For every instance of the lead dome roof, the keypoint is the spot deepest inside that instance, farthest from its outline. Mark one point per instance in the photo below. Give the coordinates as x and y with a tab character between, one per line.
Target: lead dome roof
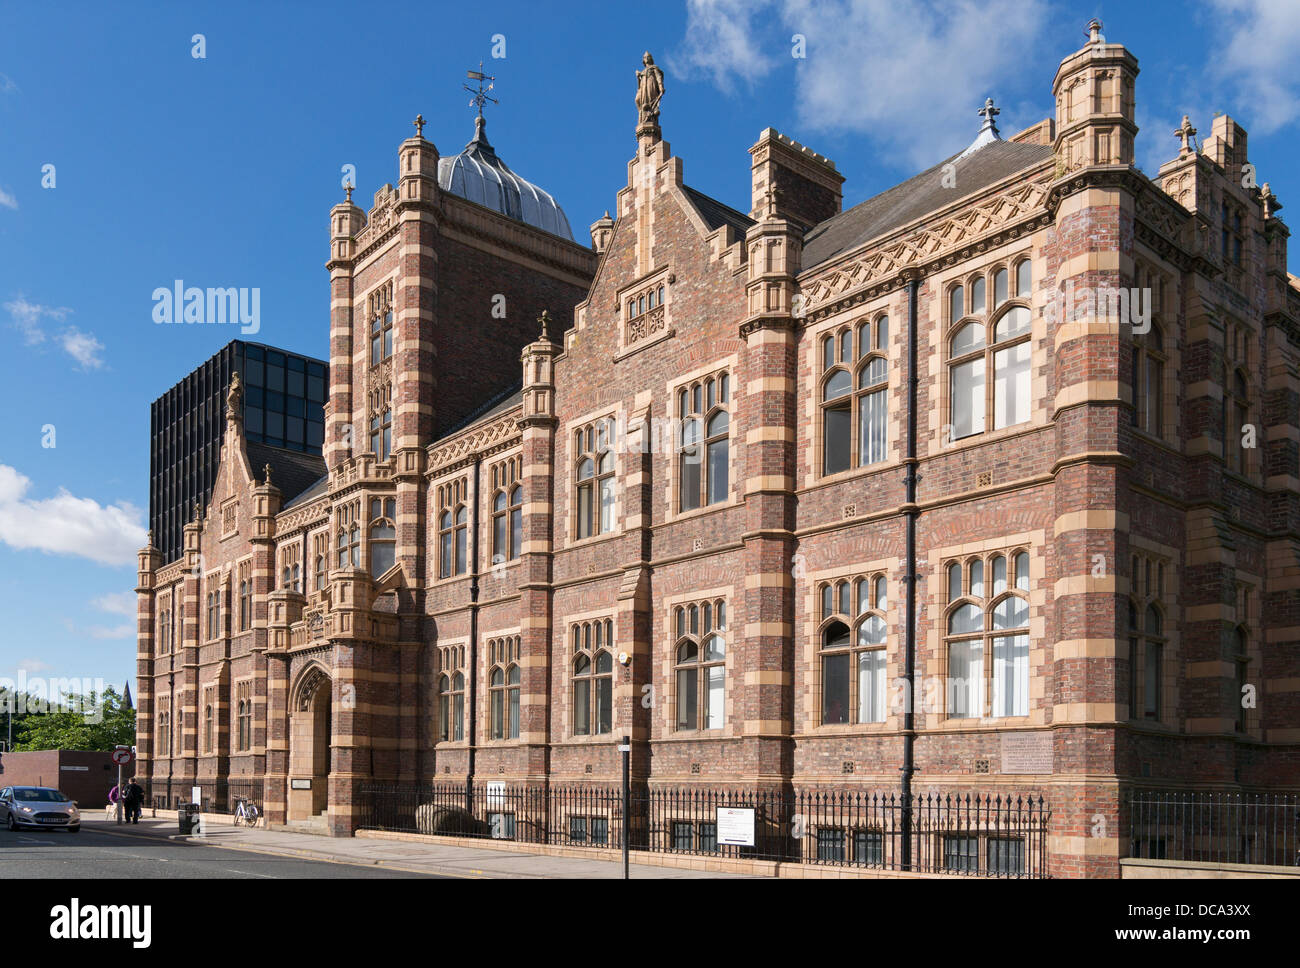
478	175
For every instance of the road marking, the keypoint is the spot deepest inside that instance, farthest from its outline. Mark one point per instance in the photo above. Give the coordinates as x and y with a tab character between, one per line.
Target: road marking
44	843
231	870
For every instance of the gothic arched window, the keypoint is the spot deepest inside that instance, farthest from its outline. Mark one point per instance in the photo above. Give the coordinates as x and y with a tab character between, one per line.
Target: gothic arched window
997	344
853	633
593	677
383	535
1148	381
988	619
703	446
854	392
701	671
595	477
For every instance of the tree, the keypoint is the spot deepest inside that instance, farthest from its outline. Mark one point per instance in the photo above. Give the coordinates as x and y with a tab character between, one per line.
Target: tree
81	722
16	706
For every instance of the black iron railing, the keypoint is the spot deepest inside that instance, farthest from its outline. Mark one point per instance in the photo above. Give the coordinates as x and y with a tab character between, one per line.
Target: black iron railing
969	833
1215	827
216	796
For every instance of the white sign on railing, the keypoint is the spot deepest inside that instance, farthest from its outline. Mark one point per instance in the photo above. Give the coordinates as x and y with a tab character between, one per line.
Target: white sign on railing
736	826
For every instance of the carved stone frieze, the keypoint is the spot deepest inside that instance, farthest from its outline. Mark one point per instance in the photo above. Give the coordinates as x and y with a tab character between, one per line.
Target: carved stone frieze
496	435
968	228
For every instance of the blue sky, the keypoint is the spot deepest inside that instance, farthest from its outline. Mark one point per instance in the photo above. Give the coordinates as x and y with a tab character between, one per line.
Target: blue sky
221	171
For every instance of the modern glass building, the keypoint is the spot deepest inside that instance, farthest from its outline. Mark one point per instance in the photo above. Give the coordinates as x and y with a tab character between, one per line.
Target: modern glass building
284	408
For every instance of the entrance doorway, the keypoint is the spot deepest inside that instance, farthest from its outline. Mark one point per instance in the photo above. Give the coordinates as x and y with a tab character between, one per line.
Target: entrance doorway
311	725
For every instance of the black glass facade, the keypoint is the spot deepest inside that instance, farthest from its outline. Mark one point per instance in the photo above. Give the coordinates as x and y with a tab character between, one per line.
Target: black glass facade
284	406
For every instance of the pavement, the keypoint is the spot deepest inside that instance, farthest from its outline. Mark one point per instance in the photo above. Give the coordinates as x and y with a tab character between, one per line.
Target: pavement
385	856
101	853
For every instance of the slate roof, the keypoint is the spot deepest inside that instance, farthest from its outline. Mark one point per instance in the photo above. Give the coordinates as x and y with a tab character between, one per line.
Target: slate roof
918	196
716	215
498	403
292	472
320	486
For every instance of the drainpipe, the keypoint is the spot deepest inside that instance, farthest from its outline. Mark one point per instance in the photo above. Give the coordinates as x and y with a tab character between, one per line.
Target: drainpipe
911	512
472	725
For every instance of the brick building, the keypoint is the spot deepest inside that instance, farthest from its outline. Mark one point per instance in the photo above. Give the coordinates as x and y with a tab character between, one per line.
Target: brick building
700	515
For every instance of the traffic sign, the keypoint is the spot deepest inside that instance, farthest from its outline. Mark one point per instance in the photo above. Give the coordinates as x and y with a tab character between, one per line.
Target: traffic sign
122	756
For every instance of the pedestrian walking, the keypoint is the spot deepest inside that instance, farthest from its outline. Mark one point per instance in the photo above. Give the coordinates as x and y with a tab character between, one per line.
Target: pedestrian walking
134	799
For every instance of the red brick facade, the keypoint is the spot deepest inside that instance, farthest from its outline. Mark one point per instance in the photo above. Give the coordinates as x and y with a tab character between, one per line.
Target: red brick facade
1080	473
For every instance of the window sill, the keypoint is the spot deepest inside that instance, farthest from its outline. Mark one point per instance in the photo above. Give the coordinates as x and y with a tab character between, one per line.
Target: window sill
989	436
700	512
592	540
985	722
853	473
598	739
688	734
836	729
463	576
1157	439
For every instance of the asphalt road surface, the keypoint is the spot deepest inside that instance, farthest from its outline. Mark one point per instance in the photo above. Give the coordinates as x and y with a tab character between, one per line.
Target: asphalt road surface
95	855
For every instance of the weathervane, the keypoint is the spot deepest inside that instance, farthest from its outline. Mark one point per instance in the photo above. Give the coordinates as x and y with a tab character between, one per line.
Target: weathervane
480	93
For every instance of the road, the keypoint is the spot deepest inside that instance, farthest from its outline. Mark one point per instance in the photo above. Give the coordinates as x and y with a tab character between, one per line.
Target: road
94	854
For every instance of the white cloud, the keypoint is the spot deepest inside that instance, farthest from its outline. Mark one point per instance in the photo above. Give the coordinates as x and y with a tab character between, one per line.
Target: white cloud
116	603
66	524
7	200
911	73
30	319
1259	59
82	347
34	666
27	317
7	86
721	40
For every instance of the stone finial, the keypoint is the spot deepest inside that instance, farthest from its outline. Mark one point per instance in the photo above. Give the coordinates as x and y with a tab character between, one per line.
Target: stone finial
988	132
988	113
419	123
771	198
347	191
198	512
545	320
1186	132
148	539
1094	32
601	231
266	471
1271	204
649	92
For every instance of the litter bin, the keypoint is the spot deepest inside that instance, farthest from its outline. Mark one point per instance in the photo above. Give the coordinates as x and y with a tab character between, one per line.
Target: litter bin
188	814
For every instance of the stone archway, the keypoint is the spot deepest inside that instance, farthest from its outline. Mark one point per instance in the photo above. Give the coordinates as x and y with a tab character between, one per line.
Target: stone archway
310	731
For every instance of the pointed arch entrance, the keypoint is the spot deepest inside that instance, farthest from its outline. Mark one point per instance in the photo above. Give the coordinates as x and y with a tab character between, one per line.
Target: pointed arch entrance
311	726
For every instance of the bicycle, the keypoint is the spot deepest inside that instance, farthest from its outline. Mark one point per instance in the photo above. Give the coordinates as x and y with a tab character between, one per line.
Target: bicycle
246	812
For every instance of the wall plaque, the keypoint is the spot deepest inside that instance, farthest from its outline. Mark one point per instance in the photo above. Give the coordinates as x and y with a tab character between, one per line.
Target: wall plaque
1027	752
300	784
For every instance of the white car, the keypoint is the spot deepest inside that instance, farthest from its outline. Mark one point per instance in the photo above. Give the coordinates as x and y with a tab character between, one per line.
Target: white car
38	807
